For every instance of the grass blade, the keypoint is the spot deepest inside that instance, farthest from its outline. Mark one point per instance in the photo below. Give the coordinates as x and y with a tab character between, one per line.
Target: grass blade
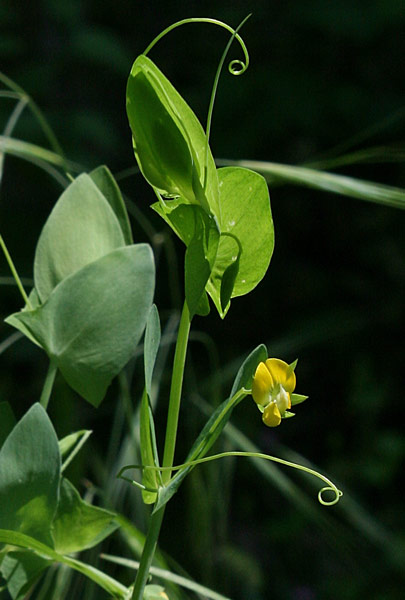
327	182
169	576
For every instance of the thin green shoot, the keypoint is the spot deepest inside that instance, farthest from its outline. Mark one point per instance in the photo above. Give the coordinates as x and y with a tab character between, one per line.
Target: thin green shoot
390	121
14	337
11	123
233	71
203	20
329	487
46	128
11	281
14	273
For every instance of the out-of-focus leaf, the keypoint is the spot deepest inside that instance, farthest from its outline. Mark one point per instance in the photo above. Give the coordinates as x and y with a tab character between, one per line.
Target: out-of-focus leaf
110	585
34	298
78	525
81	228
16	322
29	476
107	185
7	421
92	322
21	570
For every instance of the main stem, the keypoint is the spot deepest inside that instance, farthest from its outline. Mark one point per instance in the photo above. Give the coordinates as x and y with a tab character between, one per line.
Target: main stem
48	385
175	391
168	454
148	553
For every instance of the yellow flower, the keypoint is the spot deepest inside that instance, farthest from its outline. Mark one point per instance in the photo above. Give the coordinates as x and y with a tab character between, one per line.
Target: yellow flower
272	390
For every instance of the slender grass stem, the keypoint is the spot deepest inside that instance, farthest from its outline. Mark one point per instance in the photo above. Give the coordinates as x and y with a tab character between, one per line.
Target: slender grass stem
48	385
125	395
168	455
14	272
46	128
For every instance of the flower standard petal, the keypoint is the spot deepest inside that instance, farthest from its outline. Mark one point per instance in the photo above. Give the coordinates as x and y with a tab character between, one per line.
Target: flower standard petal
281	373
262	384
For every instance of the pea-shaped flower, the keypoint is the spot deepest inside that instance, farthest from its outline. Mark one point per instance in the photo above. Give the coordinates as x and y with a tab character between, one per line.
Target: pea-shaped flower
272	390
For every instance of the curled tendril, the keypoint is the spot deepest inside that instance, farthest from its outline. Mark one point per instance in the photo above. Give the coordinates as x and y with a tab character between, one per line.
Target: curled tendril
243	65
330	487
237	63
235	67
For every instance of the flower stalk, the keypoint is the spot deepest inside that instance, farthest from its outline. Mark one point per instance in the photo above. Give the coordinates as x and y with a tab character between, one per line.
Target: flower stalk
169	449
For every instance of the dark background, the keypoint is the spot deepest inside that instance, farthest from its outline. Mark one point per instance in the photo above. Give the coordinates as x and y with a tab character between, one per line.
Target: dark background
325	78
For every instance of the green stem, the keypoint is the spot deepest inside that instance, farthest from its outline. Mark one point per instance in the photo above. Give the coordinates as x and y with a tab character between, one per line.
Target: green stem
168	455
14	272
48	385
175	390
148	553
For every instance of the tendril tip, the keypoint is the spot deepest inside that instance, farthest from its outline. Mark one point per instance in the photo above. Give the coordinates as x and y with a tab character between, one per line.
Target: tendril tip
335	500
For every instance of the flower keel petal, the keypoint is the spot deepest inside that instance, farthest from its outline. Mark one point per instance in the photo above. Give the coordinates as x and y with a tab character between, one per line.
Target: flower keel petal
271	415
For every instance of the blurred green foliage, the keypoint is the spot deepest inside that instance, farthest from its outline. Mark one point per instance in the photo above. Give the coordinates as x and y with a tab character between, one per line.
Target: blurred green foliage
325	79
